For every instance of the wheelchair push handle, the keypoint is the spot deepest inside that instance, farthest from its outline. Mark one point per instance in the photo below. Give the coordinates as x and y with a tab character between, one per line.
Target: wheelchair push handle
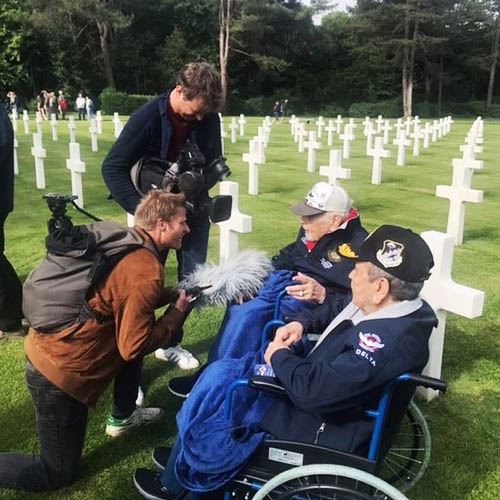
425	381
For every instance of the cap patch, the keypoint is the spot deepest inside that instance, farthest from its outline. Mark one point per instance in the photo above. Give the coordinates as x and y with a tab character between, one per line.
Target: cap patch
370	342
390	255
346	251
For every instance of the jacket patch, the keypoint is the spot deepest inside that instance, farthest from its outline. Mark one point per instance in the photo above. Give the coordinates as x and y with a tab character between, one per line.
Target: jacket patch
346	251
366	355
390	255
370	342
333	256
325	263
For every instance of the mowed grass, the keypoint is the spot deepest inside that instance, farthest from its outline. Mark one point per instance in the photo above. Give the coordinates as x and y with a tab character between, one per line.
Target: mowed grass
465	423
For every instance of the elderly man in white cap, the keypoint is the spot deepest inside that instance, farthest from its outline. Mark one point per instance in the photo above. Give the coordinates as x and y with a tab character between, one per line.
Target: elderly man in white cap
311	269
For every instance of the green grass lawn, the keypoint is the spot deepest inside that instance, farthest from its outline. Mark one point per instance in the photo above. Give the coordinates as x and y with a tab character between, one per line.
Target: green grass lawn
465	424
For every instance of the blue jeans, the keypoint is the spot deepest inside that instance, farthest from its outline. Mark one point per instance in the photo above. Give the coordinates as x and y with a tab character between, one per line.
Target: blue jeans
61	423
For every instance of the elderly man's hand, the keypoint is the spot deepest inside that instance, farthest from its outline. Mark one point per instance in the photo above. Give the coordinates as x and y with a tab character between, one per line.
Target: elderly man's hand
308	289
273	346
289	334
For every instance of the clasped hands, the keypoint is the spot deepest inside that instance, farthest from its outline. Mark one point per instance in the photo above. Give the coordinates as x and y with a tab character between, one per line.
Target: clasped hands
285	336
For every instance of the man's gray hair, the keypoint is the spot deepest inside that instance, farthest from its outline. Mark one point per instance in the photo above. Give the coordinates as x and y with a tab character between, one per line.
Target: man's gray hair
398	289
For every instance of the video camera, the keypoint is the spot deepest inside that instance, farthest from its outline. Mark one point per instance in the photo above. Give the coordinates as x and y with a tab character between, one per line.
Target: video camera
57	205
189	175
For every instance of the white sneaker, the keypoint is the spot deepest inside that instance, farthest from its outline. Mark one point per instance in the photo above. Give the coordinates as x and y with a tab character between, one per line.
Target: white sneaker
117	426
140	398
184	359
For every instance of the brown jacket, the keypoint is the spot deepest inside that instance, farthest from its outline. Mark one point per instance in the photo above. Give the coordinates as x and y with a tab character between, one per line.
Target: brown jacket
84	358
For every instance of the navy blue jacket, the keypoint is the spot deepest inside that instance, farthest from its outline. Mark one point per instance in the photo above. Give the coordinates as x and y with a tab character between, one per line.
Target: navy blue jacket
142	136
6	163
324	263
345	373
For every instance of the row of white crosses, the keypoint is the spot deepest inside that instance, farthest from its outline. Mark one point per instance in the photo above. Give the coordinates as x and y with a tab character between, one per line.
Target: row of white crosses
460	190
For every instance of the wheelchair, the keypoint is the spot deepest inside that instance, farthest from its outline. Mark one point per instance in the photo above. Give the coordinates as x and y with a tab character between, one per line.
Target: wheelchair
398	455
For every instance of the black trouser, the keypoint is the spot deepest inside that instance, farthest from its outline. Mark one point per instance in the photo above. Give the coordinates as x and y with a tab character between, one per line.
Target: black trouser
10	289
61	424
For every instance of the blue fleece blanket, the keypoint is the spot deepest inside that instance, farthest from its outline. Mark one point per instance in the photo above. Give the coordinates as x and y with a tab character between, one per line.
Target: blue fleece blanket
214	449
242	326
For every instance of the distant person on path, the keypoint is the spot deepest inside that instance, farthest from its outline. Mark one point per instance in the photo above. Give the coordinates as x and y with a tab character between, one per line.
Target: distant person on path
276	111
89	105
62	105
161	128
283	108
10	286
13	102
80	106
67	371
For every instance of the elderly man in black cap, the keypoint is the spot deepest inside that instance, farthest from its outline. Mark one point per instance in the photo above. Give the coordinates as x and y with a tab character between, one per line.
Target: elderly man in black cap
382	333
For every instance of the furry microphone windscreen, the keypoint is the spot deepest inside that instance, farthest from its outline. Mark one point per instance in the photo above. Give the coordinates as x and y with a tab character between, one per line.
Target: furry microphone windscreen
239	276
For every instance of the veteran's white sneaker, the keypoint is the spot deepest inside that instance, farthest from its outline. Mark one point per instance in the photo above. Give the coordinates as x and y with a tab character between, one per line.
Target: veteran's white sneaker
178	355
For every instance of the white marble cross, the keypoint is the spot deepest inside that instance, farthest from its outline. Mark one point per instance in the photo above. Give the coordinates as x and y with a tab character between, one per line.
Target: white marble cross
130	220
93	135
334	171
237	223
254	158
77	168
98	119
379	121
72	128
366	123
402	142
262	136
312	145
118	124
347	137
399	125
330	129
234	129
416	135
293	123
297	129
435	127
444	295
14	121
53	124
338	123
427	134
408	123
302	134
26	120
39	121
241	123
386	129
370	131
469	151
378	152
39	154
320	122
16	163
458	193
222	130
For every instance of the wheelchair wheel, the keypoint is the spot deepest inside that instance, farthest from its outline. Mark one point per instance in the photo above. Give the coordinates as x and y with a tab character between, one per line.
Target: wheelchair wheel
328	482
410	454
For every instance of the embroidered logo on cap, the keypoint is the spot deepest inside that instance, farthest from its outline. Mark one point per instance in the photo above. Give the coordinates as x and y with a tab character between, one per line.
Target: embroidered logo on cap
390	255
370	342
346	251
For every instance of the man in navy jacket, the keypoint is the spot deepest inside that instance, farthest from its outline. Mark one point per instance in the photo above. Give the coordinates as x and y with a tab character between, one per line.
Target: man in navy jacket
382	333
160	128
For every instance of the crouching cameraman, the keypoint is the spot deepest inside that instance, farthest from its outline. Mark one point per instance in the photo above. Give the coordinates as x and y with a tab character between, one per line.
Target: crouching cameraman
160	129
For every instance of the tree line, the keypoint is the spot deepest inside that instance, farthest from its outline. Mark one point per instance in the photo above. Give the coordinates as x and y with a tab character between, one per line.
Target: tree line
404	52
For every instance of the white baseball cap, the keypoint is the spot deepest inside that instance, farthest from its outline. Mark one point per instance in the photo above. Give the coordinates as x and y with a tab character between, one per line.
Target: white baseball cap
324	197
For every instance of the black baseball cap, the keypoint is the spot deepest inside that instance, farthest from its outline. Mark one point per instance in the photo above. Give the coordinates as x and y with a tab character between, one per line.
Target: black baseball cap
397	251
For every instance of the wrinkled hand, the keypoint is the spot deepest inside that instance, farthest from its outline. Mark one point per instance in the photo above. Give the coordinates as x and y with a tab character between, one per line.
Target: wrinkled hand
273	346
307	289
183	301
289	334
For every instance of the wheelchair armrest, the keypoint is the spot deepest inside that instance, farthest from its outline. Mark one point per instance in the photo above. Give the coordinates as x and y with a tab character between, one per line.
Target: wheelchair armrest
270	385
425	381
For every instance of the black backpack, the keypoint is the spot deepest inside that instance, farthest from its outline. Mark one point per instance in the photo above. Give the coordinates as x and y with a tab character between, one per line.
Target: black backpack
55	294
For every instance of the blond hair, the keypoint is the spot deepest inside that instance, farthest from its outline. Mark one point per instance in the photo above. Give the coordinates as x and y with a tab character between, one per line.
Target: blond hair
157	204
